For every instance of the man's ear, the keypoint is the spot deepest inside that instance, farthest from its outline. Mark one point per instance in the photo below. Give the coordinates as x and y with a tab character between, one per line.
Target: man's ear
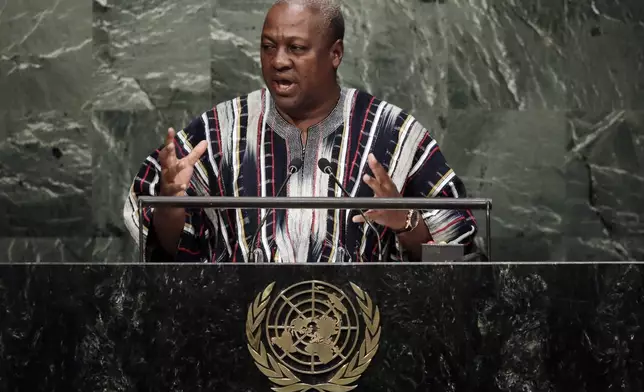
337	52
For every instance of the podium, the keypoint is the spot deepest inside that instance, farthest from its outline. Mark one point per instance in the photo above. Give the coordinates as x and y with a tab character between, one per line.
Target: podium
343	203
376	327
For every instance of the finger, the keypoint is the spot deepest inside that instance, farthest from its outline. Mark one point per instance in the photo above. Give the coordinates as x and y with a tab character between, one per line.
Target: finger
168	162
374	185
169	137
372	215
357	219
168	155
378	171
196	152
387	185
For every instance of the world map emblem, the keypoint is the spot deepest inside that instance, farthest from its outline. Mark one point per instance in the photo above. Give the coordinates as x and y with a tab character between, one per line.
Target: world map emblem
313	336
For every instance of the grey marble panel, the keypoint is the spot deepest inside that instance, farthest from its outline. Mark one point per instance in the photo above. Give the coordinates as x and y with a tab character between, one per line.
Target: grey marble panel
546	54
45	81
517	159
605	182
45	56
151	54
605	54
235	30
506	54
116	249
46	250
45	175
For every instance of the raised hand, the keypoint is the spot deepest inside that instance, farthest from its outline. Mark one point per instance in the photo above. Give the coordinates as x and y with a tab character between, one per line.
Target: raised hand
176	173
382	186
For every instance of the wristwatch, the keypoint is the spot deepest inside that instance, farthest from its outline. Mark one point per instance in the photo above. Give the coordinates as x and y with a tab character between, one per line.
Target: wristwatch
413	218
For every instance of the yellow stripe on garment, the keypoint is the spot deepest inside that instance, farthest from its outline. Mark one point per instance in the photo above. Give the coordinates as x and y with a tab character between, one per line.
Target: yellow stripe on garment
439	184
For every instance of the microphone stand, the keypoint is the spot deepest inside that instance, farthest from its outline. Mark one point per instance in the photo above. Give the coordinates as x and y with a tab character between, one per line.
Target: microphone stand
326	167
293	168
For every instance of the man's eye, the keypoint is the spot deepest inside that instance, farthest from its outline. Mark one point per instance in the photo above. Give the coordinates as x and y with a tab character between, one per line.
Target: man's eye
267	46
297	48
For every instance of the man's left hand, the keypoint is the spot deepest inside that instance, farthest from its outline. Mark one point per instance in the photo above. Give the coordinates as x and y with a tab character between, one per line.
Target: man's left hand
382	186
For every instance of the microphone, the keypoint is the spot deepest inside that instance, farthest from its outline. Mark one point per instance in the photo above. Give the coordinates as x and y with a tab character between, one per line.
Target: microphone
327	168
293	167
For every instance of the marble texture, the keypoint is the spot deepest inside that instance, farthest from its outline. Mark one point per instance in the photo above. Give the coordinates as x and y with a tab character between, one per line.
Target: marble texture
45	175
511	154
540	327
151	55
537	104
605	182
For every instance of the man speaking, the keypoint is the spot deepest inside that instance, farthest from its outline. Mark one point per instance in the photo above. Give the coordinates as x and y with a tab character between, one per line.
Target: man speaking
303	135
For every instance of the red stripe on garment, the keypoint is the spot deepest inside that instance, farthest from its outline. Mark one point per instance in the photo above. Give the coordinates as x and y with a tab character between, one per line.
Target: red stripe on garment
258	168
144	179
364	123
353	109
452	223
192	252
288	231
219	179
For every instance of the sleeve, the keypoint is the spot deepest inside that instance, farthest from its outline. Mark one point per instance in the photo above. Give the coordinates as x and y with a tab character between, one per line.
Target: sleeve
431	176
199	236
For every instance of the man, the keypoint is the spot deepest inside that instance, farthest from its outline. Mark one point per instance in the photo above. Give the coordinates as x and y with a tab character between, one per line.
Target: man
243	147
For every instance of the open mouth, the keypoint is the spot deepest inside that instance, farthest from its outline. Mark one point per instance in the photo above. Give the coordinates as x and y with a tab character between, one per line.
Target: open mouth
283	86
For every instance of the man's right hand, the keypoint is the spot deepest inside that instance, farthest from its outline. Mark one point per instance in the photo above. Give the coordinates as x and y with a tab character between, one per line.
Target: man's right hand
176	173
175	177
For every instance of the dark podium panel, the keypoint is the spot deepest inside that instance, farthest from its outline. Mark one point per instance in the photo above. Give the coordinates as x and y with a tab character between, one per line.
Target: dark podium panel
422	327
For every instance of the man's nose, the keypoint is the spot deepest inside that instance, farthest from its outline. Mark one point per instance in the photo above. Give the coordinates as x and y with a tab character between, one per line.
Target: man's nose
281	59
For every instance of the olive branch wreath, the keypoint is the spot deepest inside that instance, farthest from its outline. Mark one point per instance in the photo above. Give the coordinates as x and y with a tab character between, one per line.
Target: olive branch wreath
284	379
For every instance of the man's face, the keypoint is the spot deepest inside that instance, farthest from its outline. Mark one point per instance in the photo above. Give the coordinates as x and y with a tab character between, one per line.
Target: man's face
298	59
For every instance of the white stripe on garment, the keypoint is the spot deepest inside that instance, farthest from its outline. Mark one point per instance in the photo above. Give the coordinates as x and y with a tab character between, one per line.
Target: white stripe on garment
154	162
374	126
453	188
236	136
402	134
342	162
464	236
226	119
211	156
211	213
367	148
422	158
406	149
188	228
442	184
223	112
257	100
130	215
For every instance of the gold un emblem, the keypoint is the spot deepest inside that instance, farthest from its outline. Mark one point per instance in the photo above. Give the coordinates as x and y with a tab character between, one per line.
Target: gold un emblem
312	330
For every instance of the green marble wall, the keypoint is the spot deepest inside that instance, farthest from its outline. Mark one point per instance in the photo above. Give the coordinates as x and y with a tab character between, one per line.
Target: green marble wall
537	104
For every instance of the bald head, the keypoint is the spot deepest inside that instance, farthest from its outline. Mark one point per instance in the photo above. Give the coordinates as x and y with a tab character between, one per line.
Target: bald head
330	12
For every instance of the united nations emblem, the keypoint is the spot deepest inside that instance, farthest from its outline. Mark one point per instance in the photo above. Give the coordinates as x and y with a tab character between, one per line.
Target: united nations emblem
312	330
